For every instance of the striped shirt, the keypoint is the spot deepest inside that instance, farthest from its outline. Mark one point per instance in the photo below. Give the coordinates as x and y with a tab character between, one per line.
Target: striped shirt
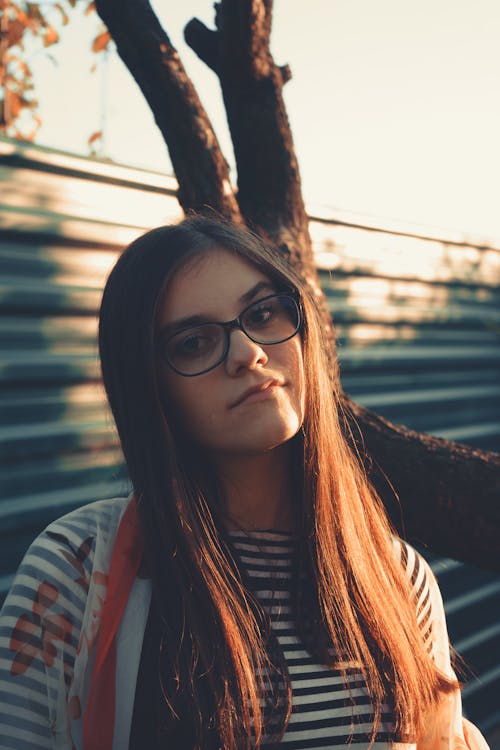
326	712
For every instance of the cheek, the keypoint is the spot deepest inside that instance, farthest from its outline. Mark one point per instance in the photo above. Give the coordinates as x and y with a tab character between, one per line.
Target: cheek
190	405
294	366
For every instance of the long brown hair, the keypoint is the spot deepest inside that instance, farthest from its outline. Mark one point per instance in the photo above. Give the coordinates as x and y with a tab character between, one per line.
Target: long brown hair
352	603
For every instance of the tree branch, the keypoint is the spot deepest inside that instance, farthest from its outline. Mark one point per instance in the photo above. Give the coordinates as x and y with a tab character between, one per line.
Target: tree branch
200	168
269	192
439	493
286	73
204	42
269	189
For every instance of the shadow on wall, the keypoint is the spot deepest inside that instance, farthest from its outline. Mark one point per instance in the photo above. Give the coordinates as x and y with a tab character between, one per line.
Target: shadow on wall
58	446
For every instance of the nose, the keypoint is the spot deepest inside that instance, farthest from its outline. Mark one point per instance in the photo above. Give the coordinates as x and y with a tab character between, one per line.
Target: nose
243	354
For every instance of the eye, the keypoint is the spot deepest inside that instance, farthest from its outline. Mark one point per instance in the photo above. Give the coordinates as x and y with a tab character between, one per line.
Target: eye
194	343
261	314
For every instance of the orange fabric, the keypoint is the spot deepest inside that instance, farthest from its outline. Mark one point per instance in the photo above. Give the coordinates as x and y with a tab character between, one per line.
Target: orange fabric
126	559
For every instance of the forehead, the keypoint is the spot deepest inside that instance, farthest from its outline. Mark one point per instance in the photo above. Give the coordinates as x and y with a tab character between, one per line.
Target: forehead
209	285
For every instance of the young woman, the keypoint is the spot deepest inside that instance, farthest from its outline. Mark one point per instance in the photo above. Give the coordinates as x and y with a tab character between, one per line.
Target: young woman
249	593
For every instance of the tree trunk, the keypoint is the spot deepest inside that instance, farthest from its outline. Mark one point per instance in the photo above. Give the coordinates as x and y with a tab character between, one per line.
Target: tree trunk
449	494
198	162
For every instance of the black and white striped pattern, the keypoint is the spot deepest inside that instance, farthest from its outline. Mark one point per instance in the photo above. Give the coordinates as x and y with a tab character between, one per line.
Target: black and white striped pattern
326	713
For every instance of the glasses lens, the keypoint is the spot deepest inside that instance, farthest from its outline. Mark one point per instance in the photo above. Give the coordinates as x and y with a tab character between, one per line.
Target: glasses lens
196	349
272	320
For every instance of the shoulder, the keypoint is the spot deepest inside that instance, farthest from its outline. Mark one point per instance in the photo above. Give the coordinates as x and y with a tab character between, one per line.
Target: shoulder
416	568
72	540
55	574
424	589
62	556
99	517
55	592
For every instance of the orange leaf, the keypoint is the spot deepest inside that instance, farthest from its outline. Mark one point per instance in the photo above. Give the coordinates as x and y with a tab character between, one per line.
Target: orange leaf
20	15
15	31
90	8
101	41
64	15
28	103
94	137
34	12
23	67
14	104
51	36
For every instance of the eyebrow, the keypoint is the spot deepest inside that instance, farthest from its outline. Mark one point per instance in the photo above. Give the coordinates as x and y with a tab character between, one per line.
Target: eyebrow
254	291
193	320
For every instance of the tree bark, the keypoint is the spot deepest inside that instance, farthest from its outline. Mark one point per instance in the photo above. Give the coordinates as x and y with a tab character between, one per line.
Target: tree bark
198	162
269	191
449	494
441	494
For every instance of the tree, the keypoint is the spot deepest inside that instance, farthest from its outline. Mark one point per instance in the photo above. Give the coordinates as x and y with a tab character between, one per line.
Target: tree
24	28
449	493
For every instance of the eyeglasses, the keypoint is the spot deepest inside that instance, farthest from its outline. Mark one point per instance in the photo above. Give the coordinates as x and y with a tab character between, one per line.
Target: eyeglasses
198	349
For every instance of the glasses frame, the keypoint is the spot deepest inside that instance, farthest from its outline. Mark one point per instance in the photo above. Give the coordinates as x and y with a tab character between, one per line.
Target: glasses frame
228	327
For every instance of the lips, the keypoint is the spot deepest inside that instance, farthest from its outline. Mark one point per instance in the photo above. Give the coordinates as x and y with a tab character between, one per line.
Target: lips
259	388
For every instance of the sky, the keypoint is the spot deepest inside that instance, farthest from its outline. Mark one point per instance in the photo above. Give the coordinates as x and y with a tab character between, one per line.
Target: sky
394	105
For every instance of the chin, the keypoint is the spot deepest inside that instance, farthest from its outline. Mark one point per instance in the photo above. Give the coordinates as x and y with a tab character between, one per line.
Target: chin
264	440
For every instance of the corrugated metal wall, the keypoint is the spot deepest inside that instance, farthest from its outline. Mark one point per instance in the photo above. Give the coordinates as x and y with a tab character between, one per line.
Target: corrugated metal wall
418	324
417	320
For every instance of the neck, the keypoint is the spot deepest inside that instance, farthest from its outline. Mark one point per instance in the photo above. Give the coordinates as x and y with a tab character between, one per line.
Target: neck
258	490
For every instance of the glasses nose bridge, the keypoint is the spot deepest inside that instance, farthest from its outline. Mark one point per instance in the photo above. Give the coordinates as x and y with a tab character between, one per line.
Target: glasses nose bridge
232	325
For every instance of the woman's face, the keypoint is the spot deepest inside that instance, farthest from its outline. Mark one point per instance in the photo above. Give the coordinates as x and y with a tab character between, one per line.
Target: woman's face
212	408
